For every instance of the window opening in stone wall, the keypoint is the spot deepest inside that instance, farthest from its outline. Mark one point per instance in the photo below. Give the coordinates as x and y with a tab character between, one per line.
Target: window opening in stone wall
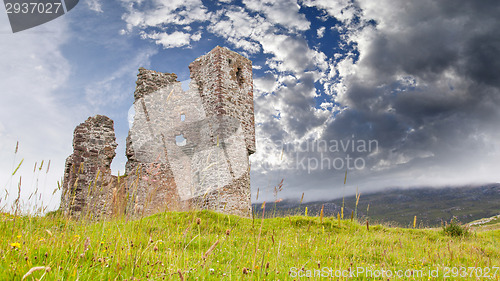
183	117
180	140
239	76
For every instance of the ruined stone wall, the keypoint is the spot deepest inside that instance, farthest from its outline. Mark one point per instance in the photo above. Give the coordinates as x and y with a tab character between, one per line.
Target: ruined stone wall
152	187
187	149
225	83
88	185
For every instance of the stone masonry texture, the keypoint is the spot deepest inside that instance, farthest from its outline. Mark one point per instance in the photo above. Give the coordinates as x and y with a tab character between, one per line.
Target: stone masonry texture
186	149
88	183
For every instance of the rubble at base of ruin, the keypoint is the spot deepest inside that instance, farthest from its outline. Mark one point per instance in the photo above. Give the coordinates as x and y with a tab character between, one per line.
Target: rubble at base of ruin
186	149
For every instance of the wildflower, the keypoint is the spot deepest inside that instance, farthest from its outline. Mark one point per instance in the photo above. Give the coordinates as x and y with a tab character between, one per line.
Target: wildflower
15	245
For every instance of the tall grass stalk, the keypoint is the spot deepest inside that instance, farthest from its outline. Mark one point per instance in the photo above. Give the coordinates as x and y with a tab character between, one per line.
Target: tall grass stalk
357	202
321	213
260	233
343	195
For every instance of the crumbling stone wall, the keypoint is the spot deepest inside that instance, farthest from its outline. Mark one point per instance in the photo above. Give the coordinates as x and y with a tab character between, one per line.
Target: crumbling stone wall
152	187
225	84
189	149
88	184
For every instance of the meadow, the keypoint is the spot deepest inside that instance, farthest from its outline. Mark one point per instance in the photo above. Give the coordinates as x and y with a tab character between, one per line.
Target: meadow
204	245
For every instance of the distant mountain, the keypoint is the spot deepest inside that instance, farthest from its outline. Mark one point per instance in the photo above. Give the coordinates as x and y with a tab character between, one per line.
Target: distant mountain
432	206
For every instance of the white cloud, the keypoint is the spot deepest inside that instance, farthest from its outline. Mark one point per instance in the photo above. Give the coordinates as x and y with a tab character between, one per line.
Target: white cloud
326	105
160	12
240	29
196	36
292	53
95	5
342	10
172	40
321	32
282	12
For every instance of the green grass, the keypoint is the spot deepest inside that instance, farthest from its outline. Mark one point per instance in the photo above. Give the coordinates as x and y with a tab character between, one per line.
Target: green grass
484	224
161	246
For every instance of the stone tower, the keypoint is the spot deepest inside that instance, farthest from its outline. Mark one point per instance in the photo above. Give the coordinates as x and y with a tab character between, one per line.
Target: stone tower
87	175
190	149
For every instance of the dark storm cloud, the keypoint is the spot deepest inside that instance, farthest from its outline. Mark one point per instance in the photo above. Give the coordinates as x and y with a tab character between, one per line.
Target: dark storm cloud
299	105
426	87
483	63
448	53
434	37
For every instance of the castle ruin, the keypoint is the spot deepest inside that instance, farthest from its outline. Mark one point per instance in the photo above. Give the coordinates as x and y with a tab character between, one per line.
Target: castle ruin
186	149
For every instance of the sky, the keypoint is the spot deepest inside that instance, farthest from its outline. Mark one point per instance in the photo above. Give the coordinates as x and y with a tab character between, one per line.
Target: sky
397	93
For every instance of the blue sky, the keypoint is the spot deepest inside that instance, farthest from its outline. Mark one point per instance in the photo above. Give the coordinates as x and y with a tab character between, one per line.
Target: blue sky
417	77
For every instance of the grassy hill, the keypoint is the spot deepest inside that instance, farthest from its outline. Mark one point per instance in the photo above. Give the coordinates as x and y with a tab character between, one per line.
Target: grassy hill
399	207
211	246
486	223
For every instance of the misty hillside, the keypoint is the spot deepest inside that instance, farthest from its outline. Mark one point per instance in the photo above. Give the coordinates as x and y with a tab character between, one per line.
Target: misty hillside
399	206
